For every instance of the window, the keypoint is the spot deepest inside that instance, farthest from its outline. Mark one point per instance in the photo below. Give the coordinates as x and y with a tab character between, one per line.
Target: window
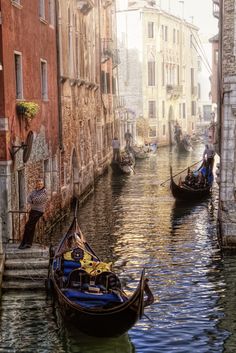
44	80
18	76
42	9
108	82
52	12
47	174
150	29
184	110
105	82
21	189
177	36
199	90
174	36
152	131
163	73
54	174
166	33
163	109
192	81
193	108
152	109
180	113
162	32
151	73
163	130
216	55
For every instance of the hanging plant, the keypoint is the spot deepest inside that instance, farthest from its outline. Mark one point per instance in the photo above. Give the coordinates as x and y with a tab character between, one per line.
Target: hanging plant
28	109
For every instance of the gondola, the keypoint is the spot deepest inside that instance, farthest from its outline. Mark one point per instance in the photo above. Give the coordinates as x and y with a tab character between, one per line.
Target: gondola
89	294
122	168
184	146
126	163
186	193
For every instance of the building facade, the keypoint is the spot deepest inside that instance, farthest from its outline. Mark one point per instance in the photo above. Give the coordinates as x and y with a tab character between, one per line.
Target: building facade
61	60
158	72
225	10
29	144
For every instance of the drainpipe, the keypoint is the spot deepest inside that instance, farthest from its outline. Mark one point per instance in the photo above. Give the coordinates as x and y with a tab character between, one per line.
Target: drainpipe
220	74
60	135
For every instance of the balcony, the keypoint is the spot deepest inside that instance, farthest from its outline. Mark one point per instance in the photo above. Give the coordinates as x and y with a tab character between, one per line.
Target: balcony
174	91
109	52
85	6
216	9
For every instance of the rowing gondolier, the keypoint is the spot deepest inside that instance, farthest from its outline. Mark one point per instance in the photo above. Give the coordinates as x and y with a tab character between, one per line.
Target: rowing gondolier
37	199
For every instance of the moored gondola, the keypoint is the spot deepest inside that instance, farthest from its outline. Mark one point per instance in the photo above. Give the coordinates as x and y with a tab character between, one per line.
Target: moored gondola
89	294
186	193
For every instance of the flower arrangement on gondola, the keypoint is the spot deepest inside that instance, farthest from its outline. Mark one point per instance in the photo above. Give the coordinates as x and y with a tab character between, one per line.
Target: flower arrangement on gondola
27	109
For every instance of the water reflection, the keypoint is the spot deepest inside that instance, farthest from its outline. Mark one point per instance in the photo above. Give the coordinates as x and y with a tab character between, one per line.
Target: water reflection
75	342
136	223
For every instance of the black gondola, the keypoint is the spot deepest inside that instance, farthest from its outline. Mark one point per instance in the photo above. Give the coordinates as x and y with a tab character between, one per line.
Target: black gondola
186	193
184	146
126	163
90	295
122	168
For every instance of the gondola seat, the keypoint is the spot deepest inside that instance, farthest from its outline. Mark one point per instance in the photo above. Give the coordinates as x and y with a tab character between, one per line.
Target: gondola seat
91	300
69	266
78	278
109	280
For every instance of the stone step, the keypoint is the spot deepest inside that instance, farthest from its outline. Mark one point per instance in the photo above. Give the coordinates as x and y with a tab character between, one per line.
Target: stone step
36	251
17	297
23	285
14	264
26	274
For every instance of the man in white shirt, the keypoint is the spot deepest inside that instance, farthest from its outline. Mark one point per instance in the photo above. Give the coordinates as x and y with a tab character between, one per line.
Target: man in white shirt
116	149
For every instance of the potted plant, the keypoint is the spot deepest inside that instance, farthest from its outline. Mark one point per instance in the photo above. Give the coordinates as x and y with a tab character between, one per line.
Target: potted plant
27	109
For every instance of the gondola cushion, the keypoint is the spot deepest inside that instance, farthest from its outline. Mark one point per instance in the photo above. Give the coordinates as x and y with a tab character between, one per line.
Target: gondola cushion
91	300
70	266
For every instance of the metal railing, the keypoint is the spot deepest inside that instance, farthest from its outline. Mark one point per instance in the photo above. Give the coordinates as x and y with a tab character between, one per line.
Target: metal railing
19	219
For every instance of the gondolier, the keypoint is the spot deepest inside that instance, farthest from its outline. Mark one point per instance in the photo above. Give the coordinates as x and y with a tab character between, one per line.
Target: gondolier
209	155
116	149
37	200
128	138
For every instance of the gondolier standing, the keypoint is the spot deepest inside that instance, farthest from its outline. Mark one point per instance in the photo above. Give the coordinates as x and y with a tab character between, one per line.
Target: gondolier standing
209	155
116	149
37	199
128	138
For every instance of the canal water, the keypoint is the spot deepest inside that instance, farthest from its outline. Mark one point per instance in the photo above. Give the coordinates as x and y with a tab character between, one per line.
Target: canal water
134	222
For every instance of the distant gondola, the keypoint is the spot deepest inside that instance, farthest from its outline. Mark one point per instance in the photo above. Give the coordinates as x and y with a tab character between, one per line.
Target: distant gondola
89	294
184	146
186	193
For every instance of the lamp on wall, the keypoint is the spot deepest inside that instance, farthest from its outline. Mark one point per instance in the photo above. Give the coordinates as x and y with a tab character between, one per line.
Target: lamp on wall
1	67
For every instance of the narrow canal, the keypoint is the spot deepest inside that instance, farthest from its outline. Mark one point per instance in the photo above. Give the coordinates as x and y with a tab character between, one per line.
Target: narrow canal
135	223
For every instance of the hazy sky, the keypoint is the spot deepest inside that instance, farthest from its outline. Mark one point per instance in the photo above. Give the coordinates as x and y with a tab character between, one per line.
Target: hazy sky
201	10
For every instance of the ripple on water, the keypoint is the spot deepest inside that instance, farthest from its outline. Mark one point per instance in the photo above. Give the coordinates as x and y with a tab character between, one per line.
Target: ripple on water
135	223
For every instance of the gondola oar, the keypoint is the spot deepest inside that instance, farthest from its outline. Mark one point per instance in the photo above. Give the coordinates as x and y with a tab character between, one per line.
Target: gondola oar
180	172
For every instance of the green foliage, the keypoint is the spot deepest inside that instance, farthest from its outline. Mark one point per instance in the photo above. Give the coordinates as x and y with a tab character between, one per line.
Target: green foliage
28	109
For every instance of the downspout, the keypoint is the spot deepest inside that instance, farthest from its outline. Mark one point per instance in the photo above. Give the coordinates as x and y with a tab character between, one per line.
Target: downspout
60	134
220	93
